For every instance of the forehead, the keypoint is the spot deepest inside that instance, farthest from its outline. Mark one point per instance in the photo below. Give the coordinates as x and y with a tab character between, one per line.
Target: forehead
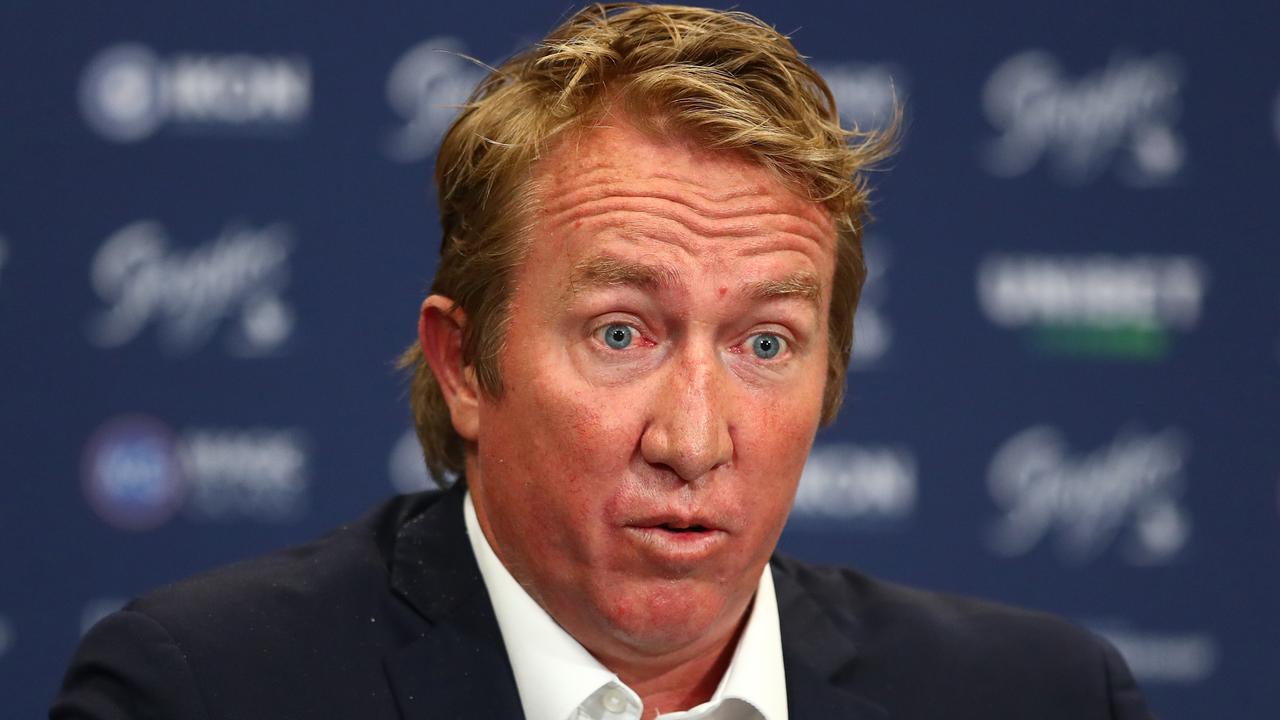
612	171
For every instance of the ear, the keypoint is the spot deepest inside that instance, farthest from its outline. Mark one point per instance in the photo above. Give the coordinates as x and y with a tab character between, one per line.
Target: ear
440	328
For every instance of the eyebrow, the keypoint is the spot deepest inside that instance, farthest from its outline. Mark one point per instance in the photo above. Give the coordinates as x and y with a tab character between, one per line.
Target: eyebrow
801	285
608	271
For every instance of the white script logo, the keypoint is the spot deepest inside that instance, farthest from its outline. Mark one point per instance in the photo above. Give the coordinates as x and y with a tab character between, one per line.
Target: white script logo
1123	114
853	482
127	92
865	93
426	87
1086	500
187	294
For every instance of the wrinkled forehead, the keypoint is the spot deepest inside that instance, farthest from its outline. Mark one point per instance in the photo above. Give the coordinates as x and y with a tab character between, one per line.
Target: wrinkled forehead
614	150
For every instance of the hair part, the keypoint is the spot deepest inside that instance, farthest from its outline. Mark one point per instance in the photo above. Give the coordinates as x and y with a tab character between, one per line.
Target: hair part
725	80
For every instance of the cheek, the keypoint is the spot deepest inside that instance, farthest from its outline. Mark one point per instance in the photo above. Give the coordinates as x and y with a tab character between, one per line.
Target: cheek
773	441
557	428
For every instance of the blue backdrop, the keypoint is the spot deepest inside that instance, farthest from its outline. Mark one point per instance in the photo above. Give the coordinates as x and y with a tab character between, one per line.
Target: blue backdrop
216	225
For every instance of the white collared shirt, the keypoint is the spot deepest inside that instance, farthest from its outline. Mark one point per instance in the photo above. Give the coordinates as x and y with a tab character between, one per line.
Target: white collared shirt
559	680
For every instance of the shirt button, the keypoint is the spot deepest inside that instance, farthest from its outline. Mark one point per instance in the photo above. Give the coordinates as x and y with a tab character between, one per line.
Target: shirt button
614	701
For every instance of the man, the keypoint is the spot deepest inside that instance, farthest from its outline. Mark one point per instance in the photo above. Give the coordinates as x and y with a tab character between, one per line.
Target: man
642	314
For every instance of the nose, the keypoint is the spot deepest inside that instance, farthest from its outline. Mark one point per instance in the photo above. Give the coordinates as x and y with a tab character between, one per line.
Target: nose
688	430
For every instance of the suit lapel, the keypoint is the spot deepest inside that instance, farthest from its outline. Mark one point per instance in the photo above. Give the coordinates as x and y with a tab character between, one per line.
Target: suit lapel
817	656
458	668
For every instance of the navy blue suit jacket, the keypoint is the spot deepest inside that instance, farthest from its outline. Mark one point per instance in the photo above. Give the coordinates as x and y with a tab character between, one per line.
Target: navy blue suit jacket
388	618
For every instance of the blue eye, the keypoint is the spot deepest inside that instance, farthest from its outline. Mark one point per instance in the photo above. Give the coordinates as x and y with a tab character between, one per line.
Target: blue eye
766	346
617	336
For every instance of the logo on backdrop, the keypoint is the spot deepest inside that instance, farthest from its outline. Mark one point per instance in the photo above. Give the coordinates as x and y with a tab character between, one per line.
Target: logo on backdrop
865	93
1094	305
1174	658
405	466
870	485
425	88
1275	115
408	470
236	281
1127	492
4	256
132	477
139	473
128	93
433	79
6	636
873	334
98	608
1120	117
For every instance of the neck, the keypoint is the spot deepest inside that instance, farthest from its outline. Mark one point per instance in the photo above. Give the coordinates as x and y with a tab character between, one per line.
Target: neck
667	684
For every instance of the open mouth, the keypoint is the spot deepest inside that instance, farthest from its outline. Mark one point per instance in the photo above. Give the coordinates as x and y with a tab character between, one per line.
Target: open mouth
670	527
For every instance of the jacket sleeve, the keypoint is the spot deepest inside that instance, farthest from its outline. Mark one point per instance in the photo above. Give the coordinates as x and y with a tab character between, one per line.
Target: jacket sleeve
128	666
1125	698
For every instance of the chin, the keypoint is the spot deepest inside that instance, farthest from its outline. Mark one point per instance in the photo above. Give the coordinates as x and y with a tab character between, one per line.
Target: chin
667	616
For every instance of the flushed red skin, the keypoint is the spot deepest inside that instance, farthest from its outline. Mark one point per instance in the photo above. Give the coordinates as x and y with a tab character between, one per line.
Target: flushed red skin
591	450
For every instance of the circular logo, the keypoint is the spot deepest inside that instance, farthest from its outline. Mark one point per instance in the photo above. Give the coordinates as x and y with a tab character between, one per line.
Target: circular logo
120	93
132	475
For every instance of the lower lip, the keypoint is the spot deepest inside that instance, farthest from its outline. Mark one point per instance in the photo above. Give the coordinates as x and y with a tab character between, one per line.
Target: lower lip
678	548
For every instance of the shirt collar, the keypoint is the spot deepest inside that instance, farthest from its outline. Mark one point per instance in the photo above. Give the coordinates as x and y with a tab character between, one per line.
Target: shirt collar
555	674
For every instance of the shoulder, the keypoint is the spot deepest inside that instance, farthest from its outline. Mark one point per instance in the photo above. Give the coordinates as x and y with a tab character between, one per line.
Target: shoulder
881	611
913	644
262	633
342	572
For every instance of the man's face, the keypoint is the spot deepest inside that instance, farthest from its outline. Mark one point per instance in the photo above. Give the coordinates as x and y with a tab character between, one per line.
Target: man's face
663	374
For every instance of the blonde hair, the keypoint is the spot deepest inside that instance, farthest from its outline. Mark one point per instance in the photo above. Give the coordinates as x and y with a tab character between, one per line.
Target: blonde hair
724	79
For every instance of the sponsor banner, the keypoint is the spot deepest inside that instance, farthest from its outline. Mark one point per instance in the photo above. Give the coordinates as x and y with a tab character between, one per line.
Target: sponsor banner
139	473
866	94
1164	658
1121	117
98	608
233	283
129	93
873	333
1099	305
1125	496
857	485
425	88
